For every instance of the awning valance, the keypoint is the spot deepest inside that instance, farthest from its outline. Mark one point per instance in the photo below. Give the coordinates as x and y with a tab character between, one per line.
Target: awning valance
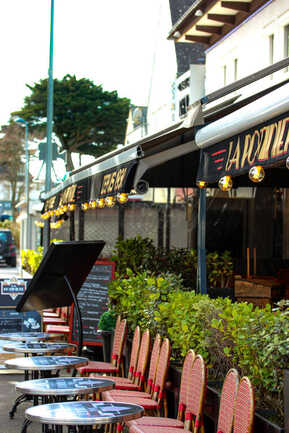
266	144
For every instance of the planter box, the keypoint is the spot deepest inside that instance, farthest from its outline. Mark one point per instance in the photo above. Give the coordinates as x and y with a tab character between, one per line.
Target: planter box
259	291
211	408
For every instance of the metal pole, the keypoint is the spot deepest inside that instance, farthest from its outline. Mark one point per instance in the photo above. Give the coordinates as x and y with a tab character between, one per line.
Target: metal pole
50	105
27	240
202	271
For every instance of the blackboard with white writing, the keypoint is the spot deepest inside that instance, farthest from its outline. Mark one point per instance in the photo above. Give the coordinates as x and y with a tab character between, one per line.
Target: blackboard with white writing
12	321
93	301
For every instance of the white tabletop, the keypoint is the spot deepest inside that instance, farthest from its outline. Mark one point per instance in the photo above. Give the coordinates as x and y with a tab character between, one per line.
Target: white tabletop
84	413
40	363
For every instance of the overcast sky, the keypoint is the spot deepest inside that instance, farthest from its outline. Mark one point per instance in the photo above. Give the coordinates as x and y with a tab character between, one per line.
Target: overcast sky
110	42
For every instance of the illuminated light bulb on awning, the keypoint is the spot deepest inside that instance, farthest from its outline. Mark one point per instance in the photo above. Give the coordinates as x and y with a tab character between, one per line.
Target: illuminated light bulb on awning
65	208
201	184
71	207
256	173
110	201
84	206
122	197
100	203
92	204
225	183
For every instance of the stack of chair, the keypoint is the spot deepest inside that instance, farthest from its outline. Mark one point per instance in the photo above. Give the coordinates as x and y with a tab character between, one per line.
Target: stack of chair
154	401
62	326
137	365
154	421
115	367
236	410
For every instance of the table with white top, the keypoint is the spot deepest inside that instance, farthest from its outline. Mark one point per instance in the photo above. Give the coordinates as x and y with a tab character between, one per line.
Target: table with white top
38	347
26	336
81	416
61	388
42	366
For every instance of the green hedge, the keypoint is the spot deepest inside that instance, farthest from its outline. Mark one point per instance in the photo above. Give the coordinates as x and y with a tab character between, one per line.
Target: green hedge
139	254
226	334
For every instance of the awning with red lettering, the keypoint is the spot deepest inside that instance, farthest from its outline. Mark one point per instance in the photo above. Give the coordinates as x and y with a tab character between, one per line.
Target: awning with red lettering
261	139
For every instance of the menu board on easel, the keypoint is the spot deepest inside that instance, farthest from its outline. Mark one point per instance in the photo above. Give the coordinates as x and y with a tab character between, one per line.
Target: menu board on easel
11	290
93	301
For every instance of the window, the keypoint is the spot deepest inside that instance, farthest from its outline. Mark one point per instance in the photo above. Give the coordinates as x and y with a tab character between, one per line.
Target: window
271	49
235	69
225	74
286	41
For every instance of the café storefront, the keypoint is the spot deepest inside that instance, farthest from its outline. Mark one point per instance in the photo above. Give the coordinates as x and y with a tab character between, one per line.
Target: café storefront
238	154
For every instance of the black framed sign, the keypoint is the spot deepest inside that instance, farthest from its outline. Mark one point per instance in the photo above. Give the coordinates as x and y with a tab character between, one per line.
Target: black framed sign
93	301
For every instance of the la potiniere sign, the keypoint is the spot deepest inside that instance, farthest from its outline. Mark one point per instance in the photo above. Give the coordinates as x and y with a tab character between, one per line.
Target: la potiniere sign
267	144
11	290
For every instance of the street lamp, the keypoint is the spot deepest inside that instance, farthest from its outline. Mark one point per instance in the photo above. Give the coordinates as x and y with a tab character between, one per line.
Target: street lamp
20	120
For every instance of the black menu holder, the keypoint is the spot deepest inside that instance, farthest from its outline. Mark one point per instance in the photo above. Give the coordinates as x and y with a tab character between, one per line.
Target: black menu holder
59	278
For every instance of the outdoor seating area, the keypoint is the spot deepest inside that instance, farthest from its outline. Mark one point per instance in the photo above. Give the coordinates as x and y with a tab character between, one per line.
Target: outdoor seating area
141	393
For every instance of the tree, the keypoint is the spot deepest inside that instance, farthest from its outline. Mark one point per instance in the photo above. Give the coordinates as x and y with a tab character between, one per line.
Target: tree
11	161
86	119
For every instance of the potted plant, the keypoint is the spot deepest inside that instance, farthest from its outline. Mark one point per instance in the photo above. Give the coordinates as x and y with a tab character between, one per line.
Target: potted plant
106	327
220	275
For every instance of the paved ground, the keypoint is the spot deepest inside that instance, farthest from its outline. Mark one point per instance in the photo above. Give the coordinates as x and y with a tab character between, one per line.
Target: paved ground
7	397
7	381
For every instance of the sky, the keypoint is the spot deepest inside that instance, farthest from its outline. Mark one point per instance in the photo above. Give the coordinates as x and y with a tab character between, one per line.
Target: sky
110	42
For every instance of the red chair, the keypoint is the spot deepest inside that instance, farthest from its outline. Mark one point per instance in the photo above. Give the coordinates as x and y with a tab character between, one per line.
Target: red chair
228	402
135	379
170	422
156	401
194	404
244	411
53	326
116	364
151	375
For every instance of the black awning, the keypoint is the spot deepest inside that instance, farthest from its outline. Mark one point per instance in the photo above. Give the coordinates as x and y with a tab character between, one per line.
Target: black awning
114	181
266	145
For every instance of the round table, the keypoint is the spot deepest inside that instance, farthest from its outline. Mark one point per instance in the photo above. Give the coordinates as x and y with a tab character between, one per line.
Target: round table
84	414
43	365
57	389
59	386
36	347
26	336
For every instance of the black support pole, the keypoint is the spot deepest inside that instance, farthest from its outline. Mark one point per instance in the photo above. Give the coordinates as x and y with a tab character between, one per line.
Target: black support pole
78	312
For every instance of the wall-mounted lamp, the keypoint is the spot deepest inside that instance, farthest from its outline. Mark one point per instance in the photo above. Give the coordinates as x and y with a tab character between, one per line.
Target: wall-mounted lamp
199	13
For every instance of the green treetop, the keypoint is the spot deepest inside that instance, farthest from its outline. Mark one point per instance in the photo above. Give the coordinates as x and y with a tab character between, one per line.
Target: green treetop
86	119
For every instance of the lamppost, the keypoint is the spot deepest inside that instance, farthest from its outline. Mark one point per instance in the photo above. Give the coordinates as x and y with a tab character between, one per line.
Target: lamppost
20	120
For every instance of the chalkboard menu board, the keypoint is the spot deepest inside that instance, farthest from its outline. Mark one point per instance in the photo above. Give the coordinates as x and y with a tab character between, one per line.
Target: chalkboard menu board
11	291
12	321
93	301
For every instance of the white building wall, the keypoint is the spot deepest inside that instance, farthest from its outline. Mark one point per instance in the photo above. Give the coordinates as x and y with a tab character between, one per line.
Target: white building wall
249	44
164	70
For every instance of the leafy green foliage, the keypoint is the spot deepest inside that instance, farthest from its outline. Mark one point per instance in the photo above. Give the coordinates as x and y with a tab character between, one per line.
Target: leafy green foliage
86	118
139	254
30	259
137	297
107	321
226	334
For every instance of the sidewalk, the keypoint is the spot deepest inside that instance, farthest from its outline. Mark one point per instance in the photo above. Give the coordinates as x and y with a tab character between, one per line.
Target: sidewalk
7	397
